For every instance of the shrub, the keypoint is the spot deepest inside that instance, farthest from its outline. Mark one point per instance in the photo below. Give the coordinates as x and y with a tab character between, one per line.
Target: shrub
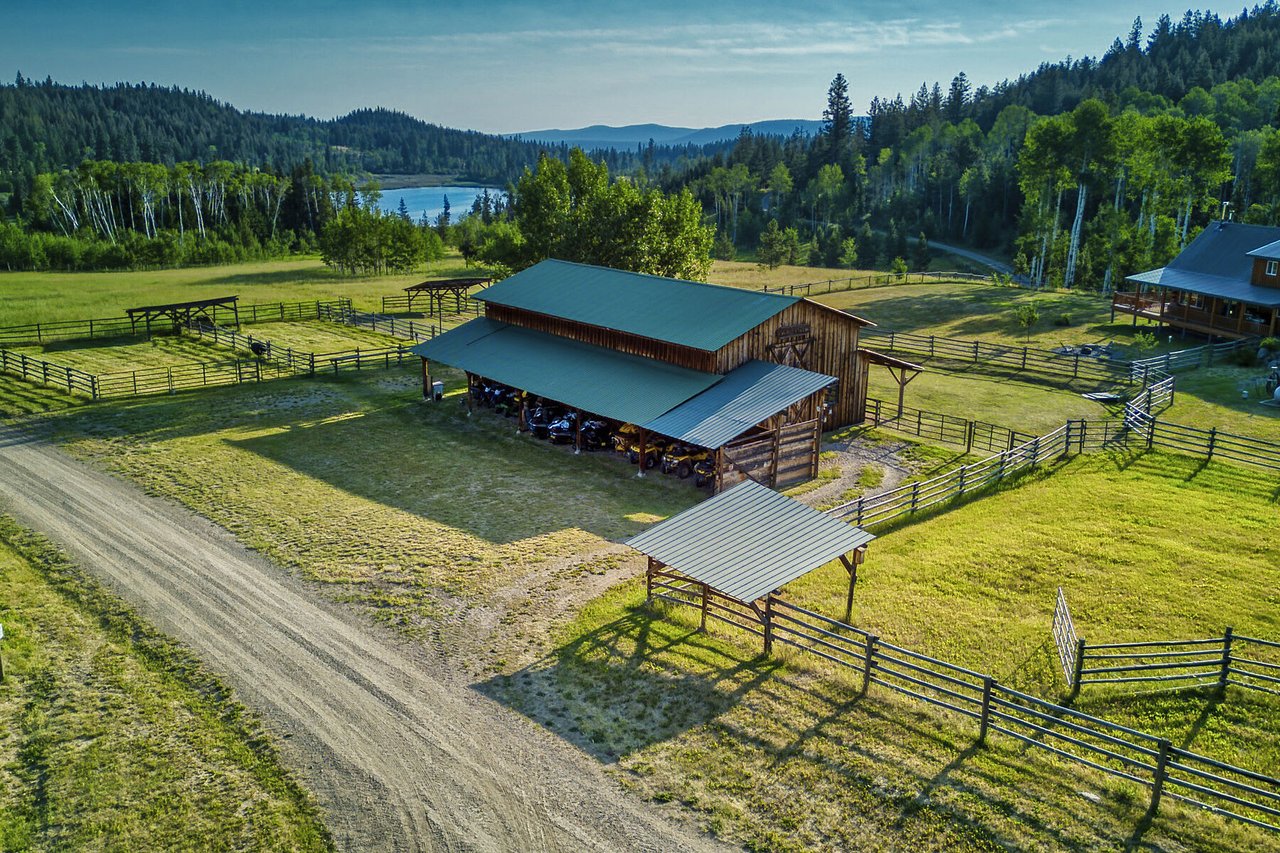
1063	319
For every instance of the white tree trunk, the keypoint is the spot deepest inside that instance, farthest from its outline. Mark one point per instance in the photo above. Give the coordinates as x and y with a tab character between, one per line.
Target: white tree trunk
1074	251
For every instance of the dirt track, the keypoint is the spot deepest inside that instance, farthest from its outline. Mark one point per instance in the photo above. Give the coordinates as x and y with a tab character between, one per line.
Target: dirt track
398	759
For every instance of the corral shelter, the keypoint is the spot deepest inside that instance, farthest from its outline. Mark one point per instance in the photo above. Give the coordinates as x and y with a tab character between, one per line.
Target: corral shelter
745	544
747	374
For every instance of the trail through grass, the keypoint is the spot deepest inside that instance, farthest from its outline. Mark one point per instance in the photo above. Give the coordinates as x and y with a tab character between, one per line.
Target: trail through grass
111	737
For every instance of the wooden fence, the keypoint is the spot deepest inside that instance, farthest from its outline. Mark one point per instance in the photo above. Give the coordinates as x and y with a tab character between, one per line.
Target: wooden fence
949	429
48	373
782	458
1085	740
875	279
401	303
1146	430
36	334
396	327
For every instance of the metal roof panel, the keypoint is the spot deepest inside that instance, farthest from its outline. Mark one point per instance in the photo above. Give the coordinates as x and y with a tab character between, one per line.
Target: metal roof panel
602	381
745	397
748	540
688	313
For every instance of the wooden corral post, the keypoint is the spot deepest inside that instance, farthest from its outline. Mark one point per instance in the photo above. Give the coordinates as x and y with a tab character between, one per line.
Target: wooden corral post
644	435
426	381
471	398
523	424
706	593
851	566
1225	674
648	581
768	624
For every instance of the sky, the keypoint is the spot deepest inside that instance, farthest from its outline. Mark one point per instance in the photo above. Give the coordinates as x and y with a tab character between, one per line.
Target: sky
500	66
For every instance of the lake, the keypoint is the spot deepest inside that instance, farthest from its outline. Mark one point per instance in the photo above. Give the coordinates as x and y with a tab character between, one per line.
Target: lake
431	200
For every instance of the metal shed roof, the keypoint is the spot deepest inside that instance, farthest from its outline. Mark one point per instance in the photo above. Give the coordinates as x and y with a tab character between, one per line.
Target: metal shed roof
745	397
749	541
689	313
610	383
1271	251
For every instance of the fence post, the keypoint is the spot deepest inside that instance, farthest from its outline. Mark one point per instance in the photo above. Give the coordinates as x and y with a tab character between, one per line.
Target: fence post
1066	442
1079	667
1213	439
1162	771
1226	660
987	682
915	495
1024	358
768	624
867	661
968	437
962	473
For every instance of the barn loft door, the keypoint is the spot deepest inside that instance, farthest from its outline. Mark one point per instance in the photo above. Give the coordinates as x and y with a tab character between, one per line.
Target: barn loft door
792	345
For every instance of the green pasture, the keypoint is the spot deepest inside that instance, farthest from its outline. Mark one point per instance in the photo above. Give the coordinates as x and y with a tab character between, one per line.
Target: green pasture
113	738
39	297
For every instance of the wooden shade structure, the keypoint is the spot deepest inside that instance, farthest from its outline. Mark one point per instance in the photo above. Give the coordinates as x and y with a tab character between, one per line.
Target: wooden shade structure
182	313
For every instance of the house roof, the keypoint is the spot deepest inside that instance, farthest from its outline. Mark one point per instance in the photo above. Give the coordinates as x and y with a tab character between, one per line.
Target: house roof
1218	262
748	541
1271	251
603	381
688	313
1211	285
741	400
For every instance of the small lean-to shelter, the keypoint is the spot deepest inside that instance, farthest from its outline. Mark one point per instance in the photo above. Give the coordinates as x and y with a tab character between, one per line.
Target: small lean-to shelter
438	290
183	313
745	544
753	376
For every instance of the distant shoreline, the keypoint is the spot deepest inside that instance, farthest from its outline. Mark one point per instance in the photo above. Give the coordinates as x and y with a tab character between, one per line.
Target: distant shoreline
400	182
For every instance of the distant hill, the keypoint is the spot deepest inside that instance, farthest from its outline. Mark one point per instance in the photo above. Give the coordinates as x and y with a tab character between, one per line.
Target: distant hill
599	136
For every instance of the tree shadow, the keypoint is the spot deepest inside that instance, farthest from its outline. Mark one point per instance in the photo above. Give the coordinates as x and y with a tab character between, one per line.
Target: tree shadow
266	278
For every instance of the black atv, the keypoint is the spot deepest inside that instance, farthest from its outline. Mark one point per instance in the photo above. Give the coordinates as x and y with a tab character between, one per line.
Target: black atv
565	430
596	434
704	472
541	417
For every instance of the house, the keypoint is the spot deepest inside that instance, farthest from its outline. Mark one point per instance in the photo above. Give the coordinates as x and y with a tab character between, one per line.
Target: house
755	377
1225	283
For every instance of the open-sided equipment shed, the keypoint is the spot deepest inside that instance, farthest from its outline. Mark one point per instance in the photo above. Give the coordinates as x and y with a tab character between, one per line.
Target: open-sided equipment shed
745	544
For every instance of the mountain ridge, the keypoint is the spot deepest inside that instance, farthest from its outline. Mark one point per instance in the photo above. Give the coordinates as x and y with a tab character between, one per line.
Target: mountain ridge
599	136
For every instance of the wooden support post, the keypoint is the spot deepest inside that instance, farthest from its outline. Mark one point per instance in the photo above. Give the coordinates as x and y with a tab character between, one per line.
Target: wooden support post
868	661
1079	668
471	397
577	432
768	624
523	424
987	683
702	628
644	435
648	581
851	566
426	381
1161	773
1225	673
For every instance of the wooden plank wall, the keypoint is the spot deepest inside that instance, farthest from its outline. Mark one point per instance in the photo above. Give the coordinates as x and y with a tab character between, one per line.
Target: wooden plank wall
779	458
694	359
834	352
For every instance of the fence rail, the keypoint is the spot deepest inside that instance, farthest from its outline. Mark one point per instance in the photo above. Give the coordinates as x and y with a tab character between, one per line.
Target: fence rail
876	279
37	334
1247	662
1080	738
403	303
48	373
396	327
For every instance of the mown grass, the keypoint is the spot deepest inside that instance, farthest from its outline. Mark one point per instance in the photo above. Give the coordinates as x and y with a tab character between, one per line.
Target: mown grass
1008	400
398	505
1210	397
125	354
320	336
781	754
45	297
112	737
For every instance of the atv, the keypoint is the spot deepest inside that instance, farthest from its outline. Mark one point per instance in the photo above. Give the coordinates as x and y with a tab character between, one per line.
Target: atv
508	402
564	430
705	472
624	436
654	447
541	417
681	458
595	434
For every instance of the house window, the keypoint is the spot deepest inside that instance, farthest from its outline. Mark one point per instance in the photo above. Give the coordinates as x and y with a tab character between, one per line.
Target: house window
1273	267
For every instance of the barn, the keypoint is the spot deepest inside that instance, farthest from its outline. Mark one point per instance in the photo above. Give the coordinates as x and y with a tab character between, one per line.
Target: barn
755	377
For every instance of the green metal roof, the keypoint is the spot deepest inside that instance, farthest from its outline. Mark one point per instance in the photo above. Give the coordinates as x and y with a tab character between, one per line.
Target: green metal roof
743	398
603	381
689	313
748	541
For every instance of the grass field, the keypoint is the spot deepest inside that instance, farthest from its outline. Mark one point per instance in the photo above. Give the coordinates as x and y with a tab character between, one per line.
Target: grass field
398	505
320	336
44	297
112	738
1210	397
125	354
782	755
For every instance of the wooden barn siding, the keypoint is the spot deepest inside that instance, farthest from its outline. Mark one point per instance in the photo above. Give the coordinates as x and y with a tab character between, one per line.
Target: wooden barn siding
834	353
694	359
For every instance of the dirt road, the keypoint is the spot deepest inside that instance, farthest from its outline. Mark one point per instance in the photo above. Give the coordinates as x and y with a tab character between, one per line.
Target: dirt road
399	759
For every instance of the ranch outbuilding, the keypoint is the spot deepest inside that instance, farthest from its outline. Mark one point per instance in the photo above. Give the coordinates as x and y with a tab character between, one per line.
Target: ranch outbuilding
753	377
